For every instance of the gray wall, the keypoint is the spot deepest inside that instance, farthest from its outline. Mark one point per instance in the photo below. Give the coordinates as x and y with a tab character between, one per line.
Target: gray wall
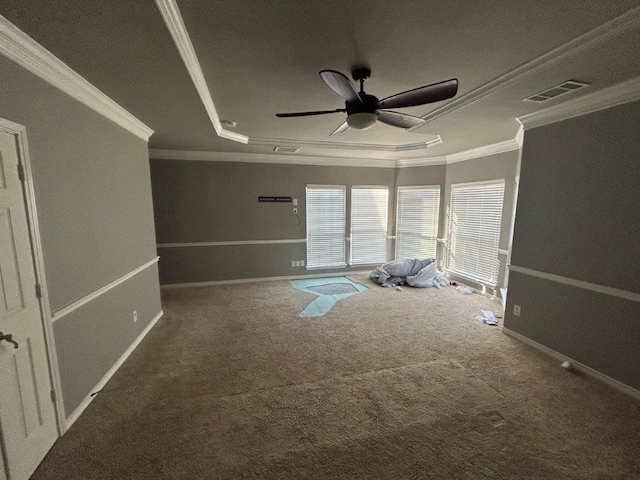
502	166
578	216
199	201
218	202
93	196
427	175
106	328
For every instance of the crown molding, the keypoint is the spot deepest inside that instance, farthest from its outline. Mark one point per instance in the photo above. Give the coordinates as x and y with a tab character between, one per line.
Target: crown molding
159	154
29	54
520	134
175	23
618	25
343	145
191	155
173	19
484	151
420	162
624	92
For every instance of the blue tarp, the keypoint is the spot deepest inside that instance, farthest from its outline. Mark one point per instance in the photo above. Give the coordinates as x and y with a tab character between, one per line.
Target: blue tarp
324	303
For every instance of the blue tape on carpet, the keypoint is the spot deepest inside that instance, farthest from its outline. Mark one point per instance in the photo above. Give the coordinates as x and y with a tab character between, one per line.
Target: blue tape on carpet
329	291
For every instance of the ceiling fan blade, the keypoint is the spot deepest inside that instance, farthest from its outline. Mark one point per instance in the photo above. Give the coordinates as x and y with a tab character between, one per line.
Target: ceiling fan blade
340	84
398	119
419	96
307	114
341	129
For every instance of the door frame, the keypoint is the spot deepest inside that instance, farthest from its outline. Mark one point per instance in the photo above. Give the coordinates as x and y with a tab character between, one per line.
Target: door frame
20	133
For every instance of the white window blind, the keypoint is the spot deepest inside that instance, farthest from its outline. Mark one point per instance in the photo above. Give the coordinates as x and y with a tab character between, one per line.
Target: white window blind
474	230
369	207
326	217
417	222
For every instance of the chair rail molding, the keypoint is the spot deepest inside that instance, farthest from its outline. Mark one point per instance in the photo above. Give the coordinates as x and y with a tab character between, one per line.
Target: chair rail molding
58	314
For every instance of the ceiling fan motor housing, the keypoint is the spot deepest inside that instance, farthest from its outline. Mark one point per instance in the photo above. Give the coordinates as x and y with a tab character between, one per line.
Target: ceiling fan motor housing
369	104
362	116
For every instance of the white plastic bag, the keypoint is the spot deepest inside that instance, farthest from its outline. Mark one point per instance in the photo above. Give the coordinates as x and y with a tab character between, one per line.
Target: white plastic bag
464	289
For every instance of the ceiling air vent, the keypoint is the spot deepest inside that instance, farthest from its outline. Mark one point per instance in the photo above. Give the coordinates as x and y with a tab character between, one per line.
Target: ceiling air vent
553	92
286	149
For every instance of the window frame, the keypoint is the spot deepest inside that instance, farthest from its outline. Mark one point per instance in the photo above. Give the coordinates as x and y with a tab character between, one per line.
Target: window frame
435	230
312	260
487	271
366	255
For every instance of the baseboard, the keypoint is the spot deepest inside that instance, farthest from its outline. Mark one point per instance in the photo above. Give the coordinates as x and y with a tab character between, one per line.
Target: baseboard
577	365
85	403
261	279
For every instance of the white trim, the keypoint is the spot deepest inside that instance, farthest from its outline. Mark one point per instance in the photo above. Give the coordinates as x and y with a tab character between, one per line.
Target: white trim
261	279
420	162
468	278
478	152
173	19
484	151
58	314
201	156
578	366
331	267
624	92
624	22
34	229
100	385
414	146
377	187
418	187
614	292
345	146
29	54
192	155
495	181
231	243
520	134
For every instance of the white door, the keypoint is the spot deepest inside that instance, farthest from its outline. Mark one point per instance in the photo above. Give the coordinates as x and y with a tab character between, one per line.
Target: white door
27	414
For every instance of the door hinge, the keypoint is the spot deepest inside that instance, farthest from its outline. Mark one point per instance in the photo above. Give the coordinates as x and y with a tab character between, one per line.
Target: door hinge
53	396
38	290
21	172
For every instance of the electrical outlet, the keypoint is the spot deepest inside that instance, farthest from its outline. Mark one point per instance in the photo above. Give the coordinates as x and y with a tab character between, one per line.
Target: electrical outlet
302	263
517	310
295	211
295	202
293	263
135	316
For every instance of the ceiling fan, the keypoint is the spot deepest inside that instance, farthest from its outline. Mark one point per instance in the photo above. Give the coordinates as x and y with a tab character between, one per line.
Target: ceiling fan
363	110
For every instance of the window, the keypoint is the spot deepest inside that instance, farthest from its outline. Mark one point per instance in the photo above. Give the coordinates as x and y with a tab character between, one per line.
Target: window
474	230
369	206
326	216
417	222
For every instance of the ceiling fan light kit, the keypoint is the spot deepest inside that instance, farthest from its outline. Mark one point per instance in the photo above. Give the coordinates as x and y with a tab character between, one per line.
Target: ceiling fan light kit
362	120
363	110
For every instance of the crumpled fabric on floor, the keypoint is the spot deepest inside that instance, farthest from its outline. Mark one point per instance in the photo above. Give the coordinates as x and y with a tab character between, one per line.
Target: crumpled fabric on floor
415	272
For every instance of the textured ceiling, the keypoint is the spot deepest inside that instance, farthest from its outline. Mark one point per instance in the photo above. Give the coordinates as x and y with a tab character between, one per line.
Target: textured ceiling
260	57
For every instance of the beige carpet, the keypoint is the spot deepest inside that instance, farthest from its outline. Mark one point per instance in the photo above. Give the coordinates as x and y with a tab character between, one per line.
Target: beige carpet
389	384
